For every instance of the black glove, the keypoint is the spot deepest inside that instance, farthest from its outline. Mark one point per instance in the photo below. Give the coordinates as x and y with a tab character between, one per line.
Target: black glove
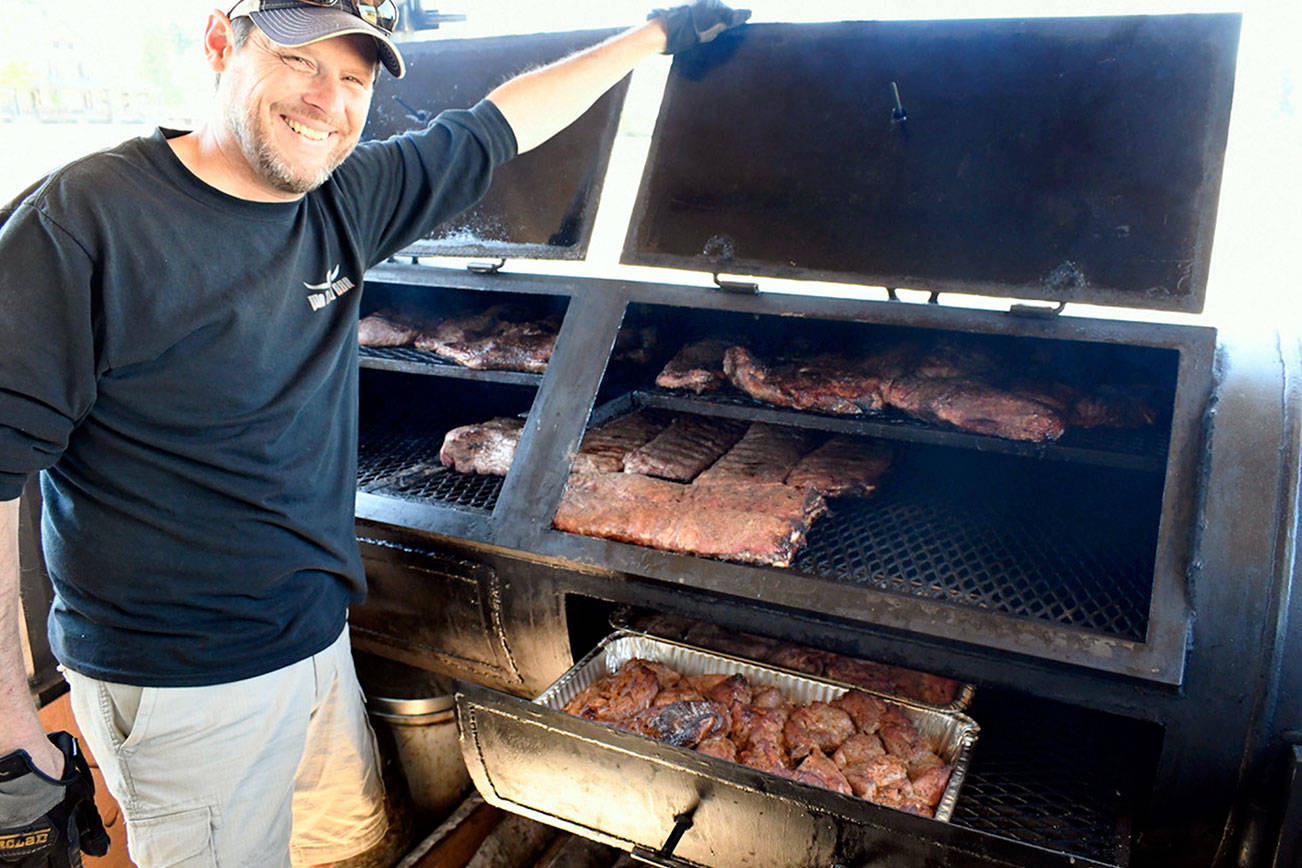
689	26
47	822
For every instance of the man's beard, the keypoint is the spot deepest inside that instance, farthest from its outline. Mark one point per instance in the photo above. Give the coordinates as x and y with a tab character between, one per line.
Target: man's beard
256	143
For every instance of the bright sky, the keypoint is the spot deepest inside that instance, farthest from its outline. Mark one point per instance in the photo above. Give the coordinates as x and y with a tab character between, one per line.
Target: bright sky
1260	213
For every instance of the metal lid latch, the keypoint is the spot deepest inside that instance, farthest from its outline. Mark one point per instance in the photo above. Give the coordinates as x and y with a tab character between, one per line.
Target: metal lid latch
485	267
742	287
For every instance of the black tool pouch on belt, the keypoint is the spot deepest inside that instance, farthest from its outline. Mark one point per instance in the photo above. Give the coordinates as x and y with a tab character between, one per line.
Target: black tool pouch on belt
48	821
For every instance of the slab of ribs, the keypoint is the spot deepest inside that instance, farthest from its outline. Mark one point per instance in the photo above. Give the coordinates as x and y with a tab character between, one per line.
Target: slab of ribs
746	492
857	744
686	490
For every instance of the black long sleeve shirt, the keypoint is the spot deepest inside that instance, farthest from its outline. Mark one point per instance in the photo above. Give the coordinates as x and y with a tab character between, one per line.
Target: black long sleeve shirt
182	366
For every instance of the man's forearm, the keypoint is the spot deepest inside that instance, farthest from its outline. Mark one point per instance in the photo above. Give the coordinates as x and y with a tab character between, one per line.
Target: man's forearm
22	728
540	103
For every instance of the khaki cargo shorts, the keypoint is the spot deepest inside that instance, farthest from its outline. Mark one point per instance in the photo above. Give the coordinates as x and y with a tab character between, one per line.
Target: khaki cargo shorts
275	770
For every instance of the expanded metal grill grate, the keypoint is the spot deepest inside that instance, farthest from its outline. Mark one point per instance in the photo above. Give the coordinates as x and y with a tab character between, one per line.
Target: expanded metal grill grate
413	361
1021	541
407	465
1056	777
404	354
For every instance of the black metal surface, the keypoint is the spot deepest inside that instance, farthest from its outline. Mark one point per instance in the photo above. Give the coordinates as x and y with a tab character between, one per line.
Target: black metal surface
1071	547
1132	449
1067	159
413	361
540	205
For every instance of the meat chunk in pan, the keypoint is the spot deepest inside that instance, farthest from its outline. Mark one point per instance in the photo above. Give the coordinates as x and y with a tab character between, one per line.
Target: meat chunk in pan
719	746
859	748
766	756
820	771
817	725
683	723
866	711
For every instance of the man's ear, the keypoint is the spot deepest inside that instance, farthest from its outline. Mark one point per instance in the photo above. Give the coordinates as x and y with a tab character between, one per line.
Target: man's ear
218	41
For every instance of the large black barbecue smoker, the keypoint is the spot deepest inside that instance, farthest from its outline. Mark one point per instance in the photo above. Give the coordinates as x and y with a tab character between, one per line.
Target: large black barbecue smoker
1103	598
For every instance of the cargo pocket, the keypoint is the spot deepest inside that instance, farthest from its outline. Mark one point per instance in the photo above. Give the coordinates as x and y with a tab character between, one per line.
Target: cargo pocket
183	839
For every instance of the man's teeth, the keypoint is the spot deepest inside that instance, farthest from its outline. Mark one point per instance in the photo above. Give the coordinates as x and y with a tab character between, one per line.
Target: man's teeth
307	132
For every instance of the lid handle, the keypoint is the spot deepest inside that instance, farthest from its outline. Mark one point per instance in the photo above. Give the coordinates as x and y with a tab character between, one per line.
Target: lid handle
665	857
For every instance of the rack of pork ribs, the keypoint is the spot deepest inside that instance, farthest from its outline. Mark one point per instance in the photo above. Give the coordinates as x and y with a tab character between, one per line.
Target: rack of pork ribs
722	488
855	745
967	384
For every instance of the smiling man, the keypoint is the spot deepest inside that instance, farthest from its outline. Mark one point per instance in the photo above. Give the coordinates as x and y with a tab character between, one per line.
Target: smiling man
178	361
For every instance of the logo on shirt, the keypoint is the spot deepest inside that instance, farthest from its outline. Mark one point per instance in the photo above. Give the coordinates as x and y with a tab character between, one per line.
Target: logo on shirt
327	291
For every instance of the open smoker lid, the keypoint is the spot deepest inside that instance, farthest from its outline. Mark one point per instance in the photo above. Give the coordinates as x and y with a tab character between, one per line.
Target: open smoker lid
1073	159
541	205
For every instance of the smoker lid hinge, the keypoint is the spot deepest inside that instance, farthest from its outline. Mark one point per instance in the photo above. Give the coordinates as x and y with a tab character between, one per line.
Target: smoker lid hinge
1037	311
485	267
743	287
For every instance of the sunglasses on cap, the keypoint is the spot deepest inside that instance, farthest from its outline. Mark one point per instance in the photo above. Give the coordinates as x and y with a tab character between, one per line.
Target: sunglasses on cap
382	14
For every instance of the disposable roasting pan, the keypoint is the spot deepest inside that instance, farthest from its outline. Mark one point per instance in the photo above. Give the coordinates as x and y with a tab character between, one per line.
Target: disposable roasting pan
675	806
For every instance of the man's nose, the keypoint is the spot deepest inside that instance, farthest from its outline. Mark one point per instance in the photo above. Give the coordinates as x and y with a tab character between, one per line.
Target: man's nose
326	92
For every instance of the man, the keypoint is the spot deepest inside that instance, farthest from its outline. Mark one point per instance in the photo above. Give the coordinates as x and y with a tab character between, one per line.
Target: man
194	419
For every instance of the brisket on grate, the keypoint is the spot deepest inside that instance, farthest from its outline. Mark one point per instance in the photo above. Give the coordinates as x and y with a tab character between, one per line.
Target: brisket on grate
826	383
974	405
502	338
484	447
389	328
698	366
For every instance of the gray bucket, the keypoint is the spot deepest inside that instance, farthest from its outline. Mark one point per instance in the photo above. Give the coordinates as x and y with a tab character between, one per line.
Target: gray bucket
418	710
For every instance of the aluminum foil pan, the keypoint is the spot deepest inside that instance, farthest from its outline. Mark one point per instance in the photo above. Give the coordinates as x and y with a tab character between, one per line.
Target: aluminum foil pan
950	734
669	628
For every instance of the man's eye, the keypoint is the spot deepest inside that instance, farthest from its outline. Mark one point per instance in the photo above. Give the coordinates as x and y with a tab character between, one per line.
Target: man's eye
294	61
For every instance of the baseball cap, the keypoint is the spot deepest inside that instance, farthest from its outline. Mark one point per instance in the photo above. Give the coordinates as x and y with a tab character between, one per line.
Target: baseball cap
292	23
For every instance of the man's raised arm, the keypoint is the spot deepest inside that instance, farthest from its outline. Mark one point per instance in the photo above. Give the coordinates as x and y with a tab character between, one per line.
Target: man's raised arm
542	102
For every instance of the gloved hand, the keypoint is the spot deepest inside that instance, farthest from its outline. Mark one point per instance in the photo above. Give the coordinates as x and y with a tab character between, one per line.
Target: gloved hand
46	821
689	26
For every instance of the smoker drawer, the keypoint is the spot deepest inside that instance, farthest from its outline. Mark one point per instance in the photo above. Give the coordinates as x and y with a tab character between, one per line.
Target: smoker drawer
438	611
678	807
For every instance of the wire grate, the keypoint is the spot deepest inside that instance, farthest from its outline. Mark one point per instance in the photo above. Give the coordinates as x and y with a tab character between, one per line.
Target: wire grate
405	354
1019	542
406	465
1053	776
